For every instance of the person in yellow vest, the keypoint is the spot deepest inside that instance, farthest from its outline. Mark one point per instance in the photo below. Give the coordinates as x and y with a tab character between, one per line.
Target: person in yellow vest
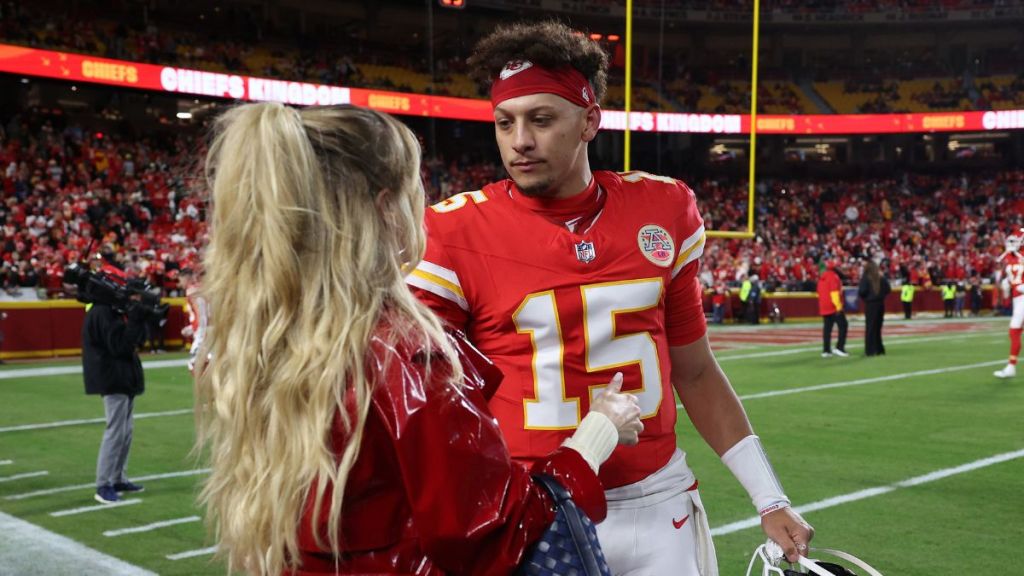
907	297
745	288
948	298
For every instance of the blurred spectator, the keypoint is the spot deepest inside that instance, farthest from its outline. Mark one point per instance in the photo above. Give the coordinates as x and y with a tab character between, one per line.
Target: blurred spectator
873	289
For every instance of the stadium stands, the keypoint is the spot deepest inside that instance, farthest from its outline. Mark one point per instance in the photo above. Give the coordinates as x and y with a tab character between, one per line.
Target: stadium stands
68	194
905	80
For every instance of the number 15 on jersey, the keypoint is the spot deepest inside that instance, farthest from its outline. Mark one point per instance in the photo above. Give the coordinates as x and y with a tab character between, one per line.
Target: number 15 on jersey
553	406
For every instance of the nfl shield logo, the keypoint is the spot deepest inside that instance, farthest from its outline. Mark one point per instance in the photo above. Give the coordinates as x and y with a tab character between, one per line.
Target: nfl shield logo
585	252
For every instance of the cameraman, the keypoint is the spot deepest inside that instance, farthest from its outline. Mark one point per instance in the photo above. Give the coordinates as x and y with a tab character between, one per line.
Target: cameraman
111	366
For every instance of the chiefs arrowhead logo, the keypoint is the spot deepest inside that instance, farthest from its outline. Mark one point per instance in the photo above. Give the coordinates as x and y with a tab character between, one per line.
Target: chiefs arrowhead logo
514	67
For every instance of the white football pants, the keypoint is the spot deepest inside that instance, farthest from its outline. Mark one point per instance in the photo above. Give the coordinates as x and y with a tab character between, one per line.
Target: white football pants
1017	320
657	527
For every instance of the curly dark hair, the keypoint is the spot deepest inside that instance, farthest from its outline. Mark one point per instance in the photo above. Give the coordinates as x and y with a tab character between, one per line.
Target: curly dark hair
550	44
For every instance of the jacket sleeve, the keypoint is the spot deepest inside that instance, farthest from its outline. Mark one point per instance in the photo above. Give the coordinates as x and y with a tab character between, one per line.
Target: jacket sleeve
864	288
476	511
120	338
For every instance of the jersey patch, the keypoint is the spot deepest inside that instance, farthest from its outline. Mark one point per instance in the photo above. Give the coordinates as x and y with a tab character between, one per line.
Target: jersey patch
585	252
656	245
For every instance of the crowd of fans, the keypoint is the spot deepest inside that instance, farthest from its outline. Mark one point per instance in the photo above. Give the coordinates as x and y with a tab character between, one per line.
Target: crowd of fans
842	6
68	195
923	229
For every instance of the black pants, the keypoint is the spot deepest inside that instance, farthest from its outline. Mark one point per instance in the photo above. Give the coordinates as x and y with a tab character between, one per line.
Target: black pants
826	333
948	305
874	316
906	309
154	335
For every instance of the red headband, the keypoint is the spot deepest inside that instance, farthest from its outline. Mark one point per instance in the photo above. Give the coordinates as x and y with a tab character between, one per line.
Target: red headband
522	77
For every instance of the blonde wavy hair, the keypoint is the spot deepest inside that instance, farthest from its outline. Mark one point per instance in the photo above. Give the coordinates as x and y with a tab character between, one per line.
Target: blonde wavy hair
316	216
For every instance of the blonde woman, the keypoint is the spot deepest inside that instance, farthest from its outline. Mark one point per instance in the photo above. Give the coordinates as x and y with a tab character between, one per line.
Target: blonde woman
346	432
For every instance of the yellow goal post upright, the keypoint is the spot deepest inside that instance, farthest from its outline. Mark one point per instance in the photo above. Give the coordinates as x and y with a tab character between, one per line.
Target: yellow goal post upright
751	189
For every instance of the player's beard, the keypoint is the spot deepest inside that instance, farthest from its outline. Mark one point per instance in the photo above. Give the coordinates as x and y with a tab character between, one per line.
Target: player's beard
543	189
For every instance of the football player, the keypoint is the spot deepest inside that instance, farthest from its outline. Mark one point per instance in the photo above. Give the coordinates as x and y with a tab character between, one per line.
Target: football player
1013	288
563	275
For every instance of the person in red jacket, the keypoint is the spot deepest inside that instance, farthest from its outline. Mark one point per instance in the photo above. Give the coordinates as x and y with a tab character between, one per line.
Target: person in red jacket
347	433
830	306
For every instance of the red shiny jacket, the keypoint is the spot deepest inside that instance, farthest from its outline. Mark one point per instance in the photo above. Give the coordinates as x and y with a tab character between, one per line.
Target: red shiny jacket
433	490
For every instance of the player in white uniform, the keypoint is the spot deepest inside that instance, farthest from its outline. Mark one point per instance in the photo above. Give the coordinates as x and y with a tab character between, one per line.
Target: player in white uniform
1013	287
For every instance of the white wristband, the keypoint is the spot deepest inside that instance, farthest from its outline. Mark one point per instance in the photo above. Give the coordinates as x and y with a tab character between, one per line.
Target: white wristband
750	465
594	439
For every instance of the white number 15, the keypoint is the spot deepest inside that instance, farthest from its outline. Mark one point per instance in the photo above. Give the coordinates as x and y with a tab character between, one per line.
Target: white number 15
605	349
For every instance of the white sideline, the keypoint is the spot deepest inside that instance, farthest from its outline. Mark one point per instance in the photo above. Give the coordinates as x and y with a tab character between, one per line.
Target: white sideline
29	549
25	475
863	381
192	553
63	423
63	370
890	341
95	507
6	462
877	491
92	485
153	526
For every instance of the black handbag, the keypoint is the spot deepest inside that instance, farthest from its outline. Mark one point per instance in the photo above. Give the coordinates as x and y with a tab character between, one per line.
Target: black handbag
569	547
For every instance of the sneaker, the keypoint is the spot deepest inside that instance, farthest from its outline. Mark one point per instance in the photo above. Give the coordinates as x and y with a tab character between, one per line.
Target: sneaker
826	354
1009	372
841	353
106	495
128	487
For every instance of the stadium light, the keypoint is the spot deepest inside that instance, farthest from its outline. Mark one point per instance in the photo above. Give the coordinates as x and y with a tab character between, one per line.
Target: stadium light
613	37
595	37
456	4
184	115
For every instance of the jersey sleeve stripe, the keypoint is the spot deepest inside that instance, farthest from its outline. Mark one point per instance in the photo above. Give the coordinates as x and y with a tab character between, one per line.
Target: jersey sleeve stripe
694	249
440	272
438	286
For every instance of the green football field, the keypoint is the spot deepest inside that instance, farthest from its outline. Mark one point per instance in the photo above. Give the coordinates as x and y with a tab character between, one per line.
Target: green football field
913	461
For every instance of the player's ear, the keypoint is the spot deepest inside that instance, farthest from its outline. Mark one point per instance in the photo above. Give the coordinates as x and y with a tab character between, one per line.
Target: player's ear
592	123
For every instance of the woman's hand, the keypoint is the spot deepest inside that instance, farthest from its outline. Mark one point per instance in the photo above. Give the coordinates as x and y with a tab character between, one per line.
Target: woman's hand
623	409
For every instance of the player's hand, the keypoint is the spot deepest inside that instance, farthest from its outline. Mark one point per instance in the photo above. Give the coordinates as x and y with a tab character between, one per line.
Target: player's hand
789	530
623	409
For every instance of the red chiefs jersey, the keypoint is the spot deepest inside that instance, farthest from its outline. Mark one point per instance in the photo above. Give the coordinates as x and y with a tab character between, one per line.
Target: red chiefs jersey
1014	271
561	311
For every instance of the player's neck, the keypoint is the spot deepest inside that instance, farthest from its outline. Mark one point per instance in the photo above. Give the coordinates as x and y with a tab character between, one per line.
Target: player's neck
574	185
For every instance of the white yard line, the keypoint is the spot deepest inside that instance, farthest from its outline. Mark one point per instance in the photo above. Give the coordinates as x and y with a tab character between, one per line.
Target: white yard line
64	370
153	526
29	549
25	475
877	491
62	423
92	485
6	462
192	553
862	381
95	507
